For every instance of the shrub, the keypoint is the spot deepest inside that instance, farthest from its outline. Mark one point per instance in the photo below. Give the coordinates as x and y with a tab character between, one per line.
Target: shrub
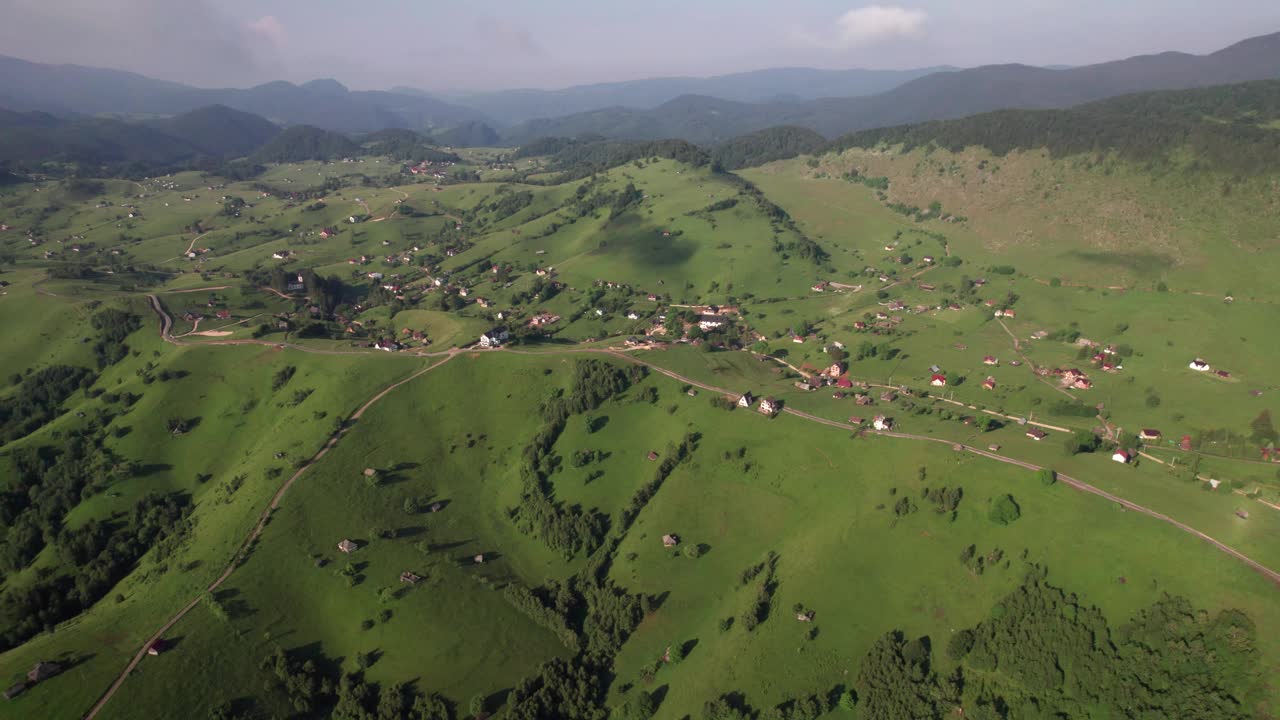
1004	510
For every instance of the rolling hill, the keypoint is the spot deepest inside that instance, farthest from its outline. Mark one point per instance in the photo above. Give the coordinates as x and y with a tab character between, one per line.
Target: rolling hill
305	142
937	96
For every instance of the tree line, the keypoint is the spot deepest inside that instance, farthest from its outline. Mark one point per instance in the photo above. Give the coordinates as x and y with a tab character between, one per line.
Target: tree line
1219	127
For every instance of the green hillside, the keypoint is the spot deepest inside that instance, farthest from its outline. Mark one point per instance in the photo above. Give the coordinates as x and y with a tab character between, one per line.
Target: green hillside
214	382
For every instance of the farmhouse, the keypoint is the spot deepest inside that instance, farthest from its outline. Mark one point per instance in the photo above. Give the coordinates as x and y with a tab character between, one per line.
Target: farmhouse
819	286
347	546
747	400
670	540
990	360
855	420
844	382
1037	434
1149	434
653	455
1005	313
1122	456
989	384
494	338
880	422
769	406
938	380
1199	365
710	322
157	647
409	577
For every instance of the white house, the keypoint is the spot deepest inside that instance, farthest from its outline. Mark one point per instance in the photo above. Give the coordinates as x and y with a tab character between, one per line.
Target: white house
746	401
1122	456
769	406
710	322
880	422
1199	365
494	338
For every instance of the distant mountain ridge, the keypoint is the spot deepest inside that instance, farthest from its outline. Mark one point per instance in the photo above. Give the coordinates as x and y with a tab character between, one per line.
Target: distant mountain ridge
770	85
937	96
215	133
69	89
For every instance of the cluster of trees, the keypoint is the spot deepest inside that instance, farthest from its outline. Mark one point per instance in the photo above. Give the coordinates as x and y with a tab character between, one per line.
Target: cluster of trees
567	529
1220	127
977	562
945	500
775	143
39	398
766	584
582	159
113	326
676	454
560	689
315	688
509	203
103	553
1042	650
1041	653
800	245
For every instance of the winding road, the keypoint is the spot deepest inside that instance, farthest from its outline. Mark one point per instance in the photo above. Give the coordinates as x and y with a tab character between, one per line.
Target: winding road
166	323
262	519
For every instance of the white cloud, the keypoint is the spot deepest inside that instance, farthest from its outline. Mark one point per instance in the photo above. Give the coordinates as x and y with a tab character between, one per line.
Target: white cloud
878	22
268	28
865	26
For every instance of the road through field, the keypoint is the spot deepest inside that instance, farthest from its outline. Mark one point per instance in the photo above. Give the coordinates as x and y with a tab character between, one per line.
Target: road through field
1270	574
257	528
166	323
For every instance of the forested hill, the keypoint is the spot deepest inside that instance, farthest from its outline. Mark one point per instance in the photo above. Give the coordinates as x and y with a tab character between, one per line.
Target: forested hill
758	148
938	96
304	142
1231	128
215	132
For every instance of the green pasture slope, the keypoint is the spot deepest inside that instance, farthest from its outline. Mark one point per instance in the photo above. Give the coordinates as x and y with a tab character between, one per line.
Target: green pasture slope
826	503
819	500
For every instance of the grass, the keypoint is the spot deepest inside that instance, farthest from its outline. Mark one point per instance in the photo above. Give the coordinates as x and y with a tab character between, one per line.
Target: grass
818	496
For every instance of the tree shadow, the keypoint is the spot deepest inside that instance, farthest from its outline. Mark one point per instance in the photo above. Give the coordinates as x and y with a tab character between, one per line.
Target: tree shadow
148	469
659	694
410	531
444	547
688	646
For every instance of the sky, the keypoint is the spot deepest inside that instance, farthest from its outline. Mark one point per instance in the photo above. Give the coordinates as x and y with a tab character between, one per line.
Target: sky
464	45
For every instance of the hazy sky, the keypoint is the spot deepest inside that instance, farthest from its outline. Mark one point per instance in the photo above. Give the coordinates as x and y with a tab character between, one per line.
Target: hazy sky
488	44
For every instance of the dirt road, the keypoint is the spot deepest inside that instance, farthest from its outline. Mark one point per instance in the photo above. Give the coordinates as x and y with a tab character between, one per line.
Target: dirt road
253	534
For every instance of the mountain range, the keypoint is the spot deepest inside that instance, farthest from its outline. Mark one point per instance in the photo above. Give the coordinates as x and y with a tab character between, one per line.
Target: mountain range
937	96
61	110
75	89
758	86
